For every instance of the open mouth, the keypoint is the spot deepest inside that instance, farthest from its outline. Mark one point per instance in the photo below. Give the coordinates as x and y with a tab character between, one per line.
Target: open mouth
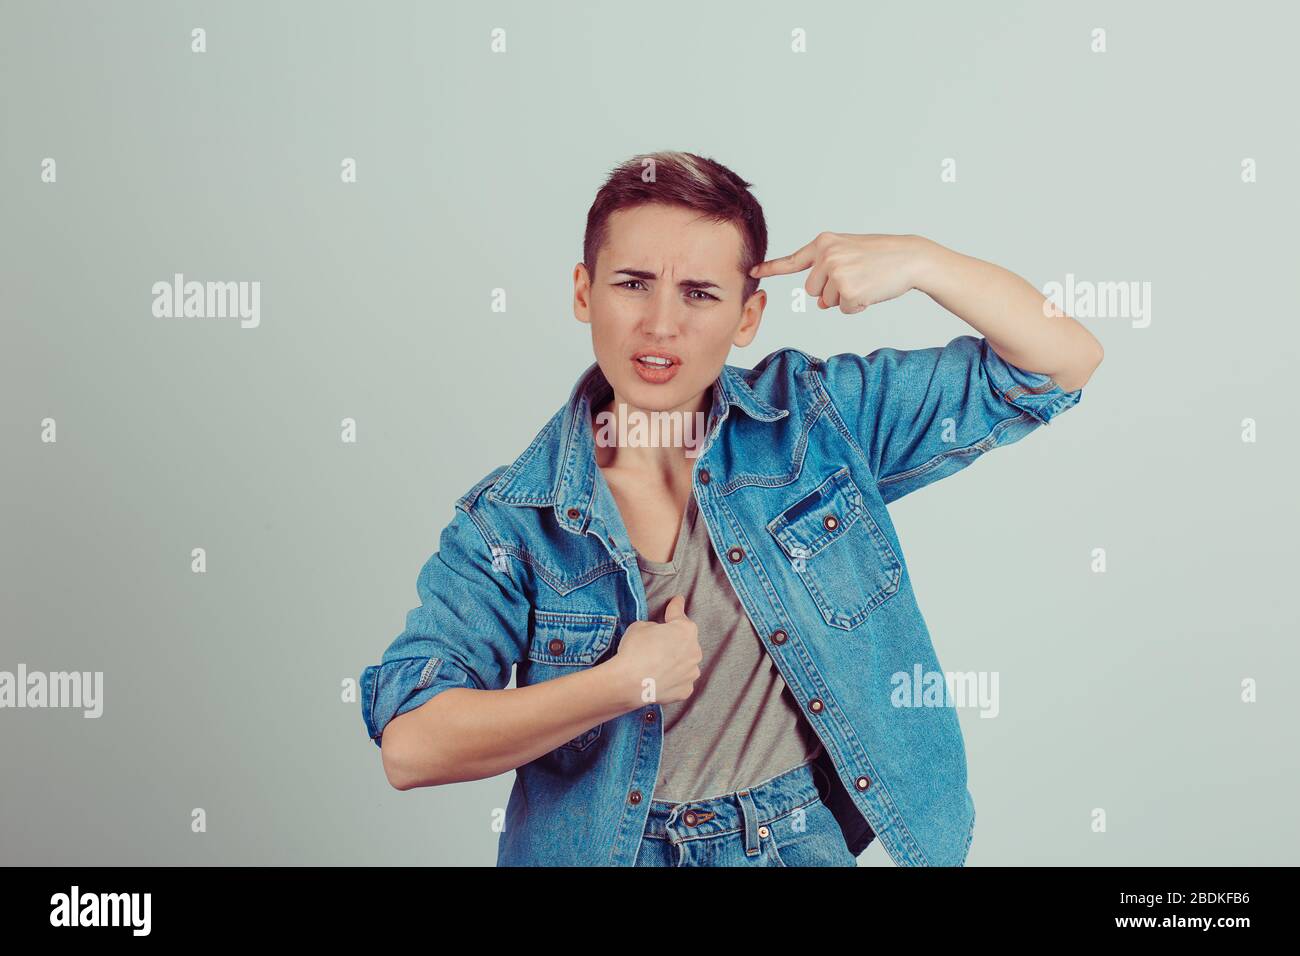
656	367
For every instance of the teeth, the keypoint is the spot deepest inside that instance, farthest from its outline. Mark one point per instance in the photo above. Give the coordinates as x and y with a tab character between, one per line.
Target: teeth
656	360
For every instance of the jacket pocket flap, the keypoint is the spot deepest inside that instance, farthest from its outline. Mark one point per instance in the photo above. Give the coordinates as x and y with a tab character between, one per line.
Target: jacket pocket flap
805	528
570	637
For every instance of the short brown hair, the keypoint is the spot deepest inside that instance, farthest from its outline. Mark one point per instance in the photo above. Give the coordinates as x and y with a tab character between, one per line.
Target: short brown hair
680	179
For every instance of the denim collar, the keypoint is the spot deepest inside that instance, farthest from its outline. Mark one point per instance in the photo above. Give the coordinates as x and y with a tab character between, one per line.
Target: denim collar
559	468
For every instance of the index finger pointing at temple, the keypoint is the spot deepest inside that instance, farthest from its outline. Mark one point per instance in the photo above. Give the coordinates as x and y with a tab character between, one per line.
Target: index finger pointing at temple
796	261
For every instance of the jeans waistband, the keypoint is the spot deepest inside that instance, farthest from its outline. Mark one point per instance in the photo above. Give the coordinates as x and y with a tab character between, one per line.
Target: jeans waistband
739	811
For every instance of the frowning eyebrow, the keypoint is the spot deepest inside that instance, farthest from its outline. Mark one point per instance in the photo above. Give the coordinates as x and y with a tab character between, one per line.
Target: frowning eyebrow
683	284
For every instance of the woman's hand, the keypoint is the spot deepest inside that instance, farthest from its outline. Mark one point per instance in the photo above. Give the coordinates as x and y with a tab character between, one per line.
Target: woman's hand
853	271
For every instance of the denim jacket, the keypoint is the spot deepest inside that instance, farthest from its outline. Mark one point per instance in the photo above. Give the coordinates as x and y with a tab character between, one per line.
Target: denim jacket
536	572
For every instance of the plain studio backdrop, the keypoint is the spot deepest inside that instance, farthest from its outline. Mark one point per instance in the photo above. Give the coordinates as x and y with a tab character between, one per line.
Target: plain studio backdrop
225	691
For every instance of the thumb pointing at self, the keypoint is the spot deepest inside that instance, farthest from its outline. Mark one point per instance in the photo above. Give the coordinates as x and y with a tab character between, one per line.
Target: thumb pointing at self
676	609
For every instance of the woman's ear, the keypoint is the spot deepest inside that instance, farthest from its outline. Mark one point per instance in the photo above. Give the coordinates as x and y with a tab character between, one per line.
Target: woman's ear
750	317
581	294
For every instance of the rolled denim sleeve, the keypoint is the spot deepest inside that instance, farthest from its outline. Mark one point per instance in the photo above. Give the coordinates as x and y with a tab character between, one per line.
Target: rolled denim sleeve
468	631
922	414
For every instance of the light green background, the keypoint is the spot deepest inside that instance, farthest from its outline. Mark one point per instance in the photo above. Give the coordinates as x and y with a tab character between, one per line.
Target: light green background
1118	691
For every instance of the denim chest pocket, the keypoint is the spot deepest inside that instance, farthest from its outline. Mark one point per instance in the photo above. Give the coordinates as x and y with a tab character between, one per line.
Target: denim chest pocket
838	551
565	642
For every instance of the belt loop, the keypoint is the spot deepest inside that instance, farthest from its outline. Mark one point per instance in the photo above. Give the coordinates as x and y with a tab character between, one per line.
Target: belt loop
749	814
671	836
671	819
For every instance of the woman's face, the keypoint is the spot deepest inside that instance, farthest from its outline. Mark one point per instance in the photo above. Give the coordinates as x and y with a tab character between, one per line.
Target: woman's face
665	305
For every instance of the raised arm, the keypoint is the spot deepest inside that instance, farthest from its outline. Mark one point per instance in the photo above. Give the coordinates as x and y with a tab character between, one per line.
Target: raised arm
1019	322
921	414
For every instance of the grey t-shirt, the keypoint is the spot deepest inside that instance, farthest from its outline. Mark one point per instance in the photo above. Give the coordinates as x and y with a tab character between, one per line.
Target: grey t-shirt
741	725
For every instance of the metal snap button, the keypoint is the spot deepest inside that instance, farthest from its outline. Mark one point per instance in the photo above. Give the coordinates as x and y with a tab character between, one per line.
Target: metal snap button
634	797
764	832
779	636
815	705
736	555
555	645
574	513
830	522
862	783
704	476
690	819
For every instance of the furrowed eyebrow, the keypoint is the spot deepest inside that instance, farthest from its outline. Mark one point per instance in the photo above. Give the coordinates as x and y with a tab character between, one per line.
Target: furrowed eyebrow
683	284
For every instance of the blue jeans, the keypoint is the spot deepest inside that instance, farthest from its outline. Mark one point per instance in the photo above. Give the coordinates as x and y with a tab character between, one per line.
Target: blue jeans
779	822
